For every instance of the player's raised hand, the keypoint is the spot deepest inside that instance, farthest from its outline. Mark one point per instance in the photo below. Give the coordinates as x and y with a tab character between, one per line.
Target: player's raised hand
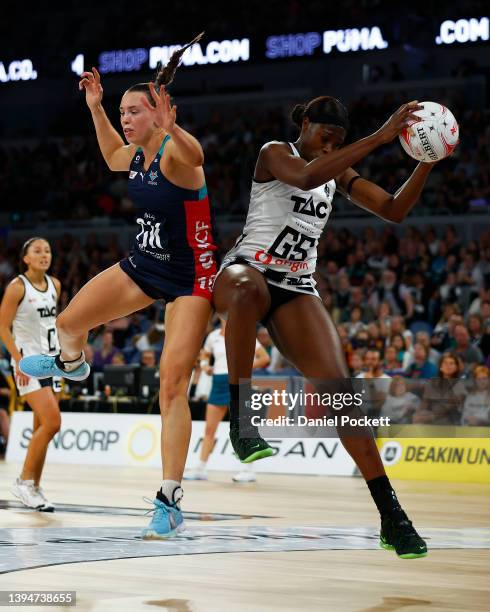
400	119
90	81
164	114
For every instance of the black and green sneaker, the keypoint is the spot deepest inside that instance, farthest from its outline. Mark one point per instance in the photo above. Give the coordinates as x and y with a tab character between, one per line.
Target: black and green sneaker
249	449
398	534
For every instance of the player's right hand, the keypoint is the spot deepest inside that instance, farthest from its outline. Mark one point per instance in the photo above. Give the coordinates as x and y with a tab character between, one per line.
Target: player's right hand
90	81
400	119
21	378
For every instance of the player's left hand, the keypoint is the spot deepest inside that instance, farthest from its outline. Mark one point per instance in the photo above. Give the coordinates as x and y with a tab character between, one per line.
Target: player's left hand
164	114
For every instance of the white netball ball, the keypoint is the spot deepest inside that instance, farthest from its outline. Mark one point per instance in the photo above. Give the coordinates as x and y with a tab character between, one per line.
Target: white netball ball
434	136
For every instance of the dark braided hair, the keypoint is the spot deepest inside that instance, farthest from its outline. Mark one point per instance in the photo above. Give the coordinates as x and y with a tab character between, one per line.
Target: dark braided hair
324	109
165	74
23	252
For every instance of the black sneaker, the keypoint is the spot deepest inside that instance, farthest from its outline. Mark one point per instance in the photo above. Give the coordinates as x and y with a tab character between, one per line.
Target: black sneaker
398	534
249	449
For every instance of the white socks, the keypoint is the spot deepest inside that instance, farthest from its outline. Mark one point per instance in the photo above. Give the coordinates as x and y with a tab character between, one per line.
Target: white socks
172	491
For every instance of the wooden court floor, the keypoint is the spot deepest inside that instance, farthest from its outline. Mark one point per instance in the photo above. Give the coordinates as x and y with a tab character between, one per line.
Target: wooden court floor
362	579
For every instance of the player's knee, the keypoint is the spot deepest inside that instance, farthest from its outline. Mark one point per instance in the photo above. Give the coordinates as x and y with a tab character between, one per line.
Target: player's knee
52	425
245	292
173	384
65	324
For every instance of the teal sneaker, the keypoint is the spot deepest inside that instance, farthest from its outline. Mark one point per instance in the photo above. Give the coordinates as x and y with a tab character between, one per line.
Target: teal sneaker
398	534
167	520
47	366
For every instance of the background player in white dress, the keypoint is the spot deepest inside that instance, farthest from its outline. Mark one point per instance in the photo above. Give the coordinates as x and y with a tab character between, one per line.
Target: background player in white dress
27	327
267	277
219	399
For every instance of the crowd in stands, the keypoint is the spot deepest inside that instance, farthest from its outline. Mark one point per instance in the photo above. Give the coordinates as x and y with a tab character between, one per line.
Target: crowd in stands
71	181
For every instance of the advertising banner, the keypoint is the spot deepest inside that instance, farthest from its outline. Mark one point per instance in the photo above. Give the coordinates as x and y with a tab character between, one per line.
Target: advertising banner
433	457
134	439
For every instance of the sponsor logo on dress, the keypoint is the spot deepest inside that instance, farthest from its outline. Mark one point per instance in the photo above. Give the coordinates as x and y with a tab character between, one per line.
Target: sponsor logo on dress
46	312
202	238
133	174
306	206
153	177
267	259
149	239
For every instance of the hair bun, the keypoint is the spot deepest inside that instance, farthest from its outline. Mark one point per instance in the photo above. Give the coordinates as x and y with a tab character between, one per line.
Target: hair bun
298	113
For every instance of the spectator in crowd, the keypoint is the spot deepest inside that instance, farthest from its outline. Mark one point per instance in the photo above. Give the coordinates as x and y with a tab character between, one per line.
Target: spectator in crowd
153	339
476	408
118	359
442	398
400	404
433	356
392	366
357	299
106	353
421	367
356	323
399	343
384	319
148	359
397	296
468	353
377	382
357	362
475	328
443	337
375	339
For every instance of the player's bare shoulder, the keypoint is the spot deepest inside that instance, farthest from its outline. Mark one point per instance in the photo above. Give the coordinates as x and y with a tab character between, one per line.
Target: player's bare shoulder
274	147
270	150
15	290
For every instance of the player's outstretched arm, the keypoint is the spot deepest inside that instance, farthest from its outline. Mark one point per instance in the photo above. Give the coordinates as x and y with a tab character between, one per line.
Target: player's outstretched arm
183	147
375	199
116	154
295	171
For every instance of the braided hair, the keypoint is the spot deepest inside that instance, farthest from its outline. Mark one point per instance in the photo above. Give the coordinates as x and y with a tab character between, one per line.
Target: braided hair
165	74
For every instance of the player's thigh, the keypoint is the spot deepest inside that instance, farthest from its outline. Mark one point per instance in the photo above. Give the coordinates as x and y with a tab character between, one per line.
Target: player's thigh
186	321
110	295
45	407
305	334
241	284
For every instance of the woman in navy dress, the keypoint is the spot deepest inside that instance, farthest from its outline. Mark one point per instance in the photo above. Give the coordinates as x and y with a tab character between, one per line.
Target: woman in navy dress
172	259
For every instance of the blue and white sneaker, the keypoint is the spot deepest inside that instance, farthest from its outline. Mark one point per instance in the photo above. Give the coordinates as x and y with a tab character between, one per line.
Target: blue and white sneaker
46	366
167	520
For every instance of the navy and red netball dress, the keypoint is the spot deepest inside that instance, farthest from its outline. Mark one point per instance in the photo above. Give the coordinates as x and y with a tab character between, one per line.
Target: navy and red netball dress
174	250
